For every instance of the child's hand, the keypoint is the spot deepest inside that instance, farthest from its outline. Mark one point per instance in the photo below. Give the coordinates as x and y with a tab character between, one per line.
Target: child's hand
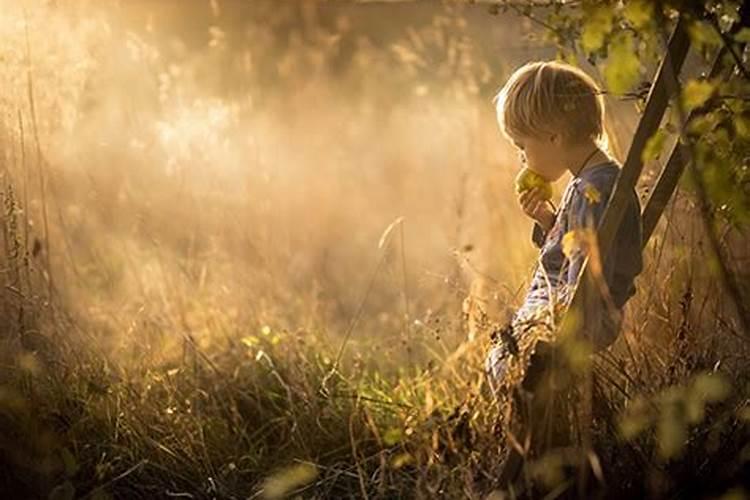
535	206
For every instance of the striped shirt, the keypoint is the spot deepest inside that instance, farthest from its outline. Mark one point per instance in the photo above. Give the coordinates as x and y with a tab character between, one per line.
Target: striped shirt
582	206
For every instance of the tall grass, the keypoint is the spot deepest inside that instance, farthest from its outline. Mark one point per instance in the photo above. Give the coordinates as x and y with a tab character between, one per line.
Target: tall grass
207	311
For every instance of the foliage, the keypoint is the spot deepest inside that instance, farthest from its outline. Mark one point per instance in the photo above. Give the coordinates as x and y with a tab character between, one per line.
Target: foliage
211	237
626	40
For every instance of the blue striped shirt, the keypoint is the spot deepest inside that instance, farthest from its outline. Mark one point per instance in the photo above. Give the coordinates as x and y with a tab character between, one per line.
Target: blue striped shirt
582	206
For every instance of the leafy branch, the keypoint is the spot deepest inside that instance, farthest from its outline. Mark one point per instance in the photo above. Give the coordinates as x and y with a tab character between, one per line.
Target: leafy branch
707	217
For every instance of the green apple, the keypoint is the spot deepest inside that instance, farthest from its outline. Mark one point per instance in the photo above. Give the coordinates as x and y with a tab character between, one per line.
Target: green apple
527	179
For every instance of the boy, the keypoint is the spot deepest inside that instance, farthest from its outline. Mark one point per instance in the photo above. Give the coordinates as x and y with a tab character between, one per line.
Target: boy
554	113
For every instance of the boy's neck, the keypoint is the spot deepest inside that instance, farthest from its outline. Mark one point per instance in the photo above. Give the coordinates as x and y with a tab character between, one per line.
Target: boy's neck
581	156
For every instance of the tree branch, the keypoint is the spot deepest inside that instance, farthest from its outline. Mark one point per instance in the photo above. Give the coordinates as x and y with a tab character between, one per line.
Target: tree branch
729	44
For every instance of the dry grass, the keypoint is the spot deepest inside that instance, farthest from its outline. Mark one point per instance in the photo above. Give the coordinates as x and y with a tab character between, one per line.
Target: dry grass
207	312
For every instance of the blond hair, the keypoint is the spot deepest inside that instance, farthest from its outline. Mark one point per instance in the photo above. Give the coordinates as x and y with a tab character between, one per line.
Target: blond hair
551	97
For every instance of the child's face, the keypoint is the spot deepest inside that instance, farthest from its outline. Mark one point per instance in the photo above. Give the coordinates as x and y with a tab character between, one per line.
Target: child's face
542	155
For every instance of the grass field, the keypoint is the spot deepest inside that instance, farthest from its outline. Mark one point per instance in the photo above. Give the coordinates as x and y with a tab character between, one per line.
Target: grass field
235	246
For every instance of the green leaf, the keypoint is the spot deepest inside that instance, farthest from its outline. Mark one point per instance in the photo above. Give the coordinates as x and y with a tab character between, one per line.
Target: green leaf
702	124
286	480
636	418
710	387
672	435
654	146
633	423
622	68
742	126
703	34
597	26
392	436
639	13
742	36
727	14
401	460
718	174
695	409
671	430
592	195
695	93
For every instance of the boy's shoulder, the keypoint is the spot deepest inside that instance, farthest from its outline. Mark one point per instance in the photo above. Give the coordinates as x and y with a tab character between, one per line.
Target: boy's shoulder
604	171
601	177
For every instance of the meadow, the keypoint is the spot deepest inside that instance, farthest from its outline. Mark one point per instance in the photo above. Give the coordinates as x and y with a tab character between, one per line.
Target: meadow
236	241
